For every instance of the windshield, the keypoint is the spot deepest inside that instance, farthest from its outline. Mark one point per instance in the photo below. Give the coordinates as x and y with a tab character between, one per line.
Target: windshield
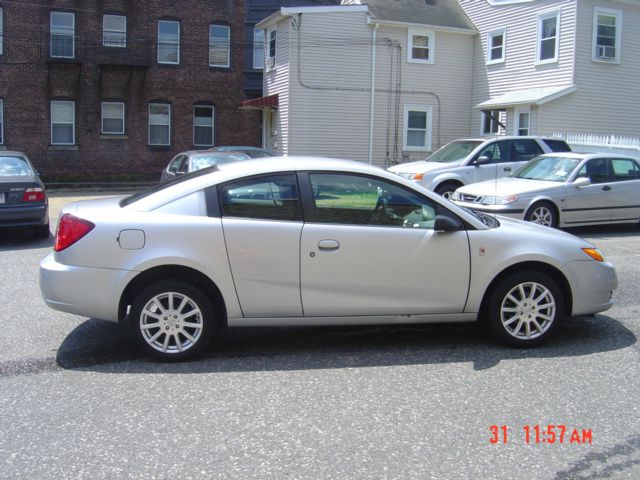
14	166
551	169
202	161
454	151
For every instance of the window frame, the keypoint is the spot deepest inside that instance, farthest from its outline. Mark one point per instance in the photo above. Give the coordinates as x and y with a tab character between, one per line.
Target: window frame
1	121
160	42
490	35
51	33
102	117
430	34
104	30
271	40
52	123
149	124
228	45
501	128
541	18
258	47
213	125
518	125
617	14
428	109
1	30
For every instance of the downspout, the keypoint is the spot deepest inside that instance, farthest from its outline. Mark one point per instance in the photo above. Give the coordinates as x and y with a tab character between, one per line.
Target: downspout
374	35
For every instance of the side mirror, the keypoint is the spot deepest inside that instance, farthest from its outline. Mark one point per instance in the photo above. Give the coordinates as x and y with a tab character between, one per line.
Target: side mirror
444	223
582	182
482	160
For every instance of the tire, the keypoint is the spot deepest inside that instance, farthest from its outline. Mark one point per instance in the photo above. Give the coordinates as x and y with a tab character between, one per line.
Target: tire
542	213
446	189
525	309
41	231
171	321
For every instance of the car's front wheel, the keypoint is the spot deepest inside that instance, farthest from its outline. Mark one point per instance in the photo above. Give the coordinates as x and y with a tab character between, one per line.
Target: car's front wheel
172	320
446	189
542	213
525	308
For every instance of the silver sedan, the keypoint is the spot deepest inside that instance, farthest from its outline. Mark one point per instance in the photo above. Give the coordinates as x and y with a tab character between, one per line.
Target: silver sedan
562	190
249	244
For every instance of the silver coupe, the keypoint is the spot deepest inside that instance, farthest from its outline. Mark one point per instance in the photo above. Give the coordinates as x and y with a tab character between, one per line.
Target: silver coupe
249	244
562	190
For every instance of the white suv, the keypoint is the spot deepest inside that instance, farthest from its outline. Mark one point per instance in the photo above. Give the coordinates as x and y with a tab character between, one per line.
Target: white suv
472	160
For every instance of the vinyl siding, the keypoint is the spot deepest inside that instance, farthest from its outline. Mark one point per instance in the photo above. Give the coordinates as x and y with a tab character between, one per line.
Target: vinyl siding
276	81
608	97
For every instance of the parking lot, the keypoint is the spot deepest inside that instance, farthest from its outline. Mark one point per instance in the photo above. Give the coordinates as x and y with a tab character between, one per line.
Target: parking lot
433	401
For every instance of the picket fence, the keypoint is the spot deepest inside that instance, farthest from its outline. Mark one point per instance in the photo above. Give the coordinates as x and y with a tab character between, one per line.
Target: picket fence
589	143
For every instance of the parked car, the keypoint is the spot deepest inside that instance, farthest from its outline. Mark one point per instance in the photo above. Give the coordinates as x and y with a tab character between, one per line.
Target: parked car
186	258
472	160
253	152
195	160
563	190
23	201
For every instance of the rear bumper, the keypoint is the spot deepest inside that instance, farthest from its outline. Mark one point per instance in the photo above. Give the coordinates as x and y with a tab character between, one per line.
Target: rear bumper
24	215
89	292
592	284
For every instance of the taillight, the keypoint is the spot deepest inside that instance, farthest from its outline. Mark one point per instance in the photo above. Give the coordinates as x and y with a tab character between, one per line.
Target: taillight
70	230
35	194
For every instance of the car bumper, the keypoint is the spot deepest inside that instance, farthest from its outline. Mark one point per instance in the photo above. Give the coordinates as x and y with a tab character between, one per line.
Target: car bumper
592	285
24	216
505	210
73	289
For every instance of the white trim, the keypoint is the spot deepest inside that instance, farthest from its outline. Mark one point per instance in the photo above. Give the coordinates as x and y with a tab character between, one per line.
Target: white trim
541	18
617	14
73	34
271	64
257	49
507	2
428	26
328	9
1	121
73	121
228	62
431	48
494	33
149	125
1	30
516	123
176	44
213	124
102	117
428	109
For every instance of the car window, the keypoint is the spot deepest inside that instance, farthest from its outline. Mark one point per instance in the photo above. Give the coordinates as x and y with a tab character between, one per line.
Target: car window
496	151
550	169
557	145
525	149
359	200
596	170
175	163
268	197
12	166
625	169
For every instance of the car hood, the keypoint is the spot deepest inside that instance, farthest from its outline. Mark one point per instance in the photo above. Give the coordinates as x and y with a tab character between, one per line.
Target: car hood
509	186
423	167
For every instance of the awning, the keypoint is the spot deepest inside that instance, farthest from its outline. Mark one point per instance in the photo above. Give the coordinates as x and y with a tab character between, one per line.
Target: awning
270	101
530	96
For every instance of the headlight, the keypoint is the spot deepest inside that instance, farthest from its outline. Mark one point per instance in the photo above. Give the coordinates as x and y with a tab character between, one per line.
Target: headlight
594	253
499	200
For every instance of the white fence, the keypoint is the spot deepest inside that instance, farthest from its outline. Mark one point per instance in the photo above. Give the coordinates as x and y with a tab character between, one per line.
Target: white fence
588	143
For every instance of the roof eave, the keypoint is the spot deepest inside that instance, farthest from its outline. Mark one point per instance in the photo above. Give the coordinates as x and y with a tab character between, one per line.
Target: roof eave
438	28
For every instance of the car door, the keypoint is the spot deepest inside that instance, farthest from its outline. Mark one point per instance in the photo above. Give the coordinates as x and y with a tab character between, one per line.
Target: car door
498	165
371	250
523	150
626	189
262	223
591	203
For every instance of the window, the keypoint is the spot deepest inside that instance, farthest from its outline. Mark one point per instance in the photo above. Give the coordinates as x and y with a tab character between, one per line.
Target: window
168	42
113	118
1	30
178	164
548	28
1	121
219	46
258	49
625	169
525	149
557	145
114	31
496	152
417	131
607	26
523	120
359	200
271	56
63	117
493	122
62	41
203	125
596	169
271	197
159	124
421	45
496	42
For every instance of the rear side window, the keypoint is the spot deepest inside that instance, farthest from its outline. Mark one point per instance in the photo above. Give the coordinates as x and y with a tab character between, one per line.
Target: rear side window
524	150
557	145
625	169
267	197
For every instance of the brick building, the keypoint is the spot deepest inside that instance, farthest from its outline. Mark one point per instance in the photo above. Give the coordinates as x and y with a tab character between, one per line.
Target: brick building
112	89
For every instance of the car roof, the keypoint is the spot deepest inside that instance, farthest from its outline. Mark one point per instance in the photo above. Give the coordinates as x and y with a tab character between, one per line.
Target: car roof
505	137
211	153
587	156
12	153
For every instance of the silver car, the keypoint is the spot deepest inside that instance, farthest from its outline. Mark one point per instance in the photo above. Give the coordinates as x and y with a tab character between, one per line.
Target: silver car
472	160
563	190
194	160
249	244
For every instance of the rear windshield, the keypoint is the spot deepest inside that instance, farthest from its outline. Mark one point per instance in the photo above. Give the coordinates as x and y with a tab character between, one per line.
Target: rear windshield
557	145
14	166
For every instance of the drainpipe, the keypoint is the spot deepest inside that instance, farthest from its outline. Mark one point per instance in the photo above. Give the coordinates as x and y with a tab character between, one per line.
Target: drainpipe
374	36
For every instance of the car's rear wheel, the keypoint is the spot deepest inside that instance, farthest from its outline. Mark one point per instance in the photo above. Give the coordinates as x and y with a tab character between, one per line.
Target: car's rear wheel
525	308
172	320
542	213
446	189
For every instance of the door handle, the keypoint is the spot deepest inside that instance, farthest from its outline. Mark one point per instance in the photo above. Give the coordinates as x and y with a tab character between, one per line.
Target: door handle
606	188
328	245
507	169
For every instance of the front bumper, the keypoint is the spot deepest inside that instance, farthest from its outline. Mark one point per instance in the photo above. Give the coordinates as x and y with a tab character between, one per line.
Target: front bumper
505	210
592	285
24	215
89	292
